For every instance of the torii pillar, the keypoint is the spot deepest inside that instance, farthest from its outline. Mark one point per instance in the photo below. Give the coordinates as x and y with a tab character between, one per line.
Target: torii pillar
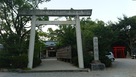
31	42
79	43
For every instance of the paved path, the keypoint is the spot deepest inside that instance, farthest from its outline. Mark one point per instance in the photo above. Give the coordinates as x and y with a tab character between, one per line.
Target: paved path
120	68
54	64
123	68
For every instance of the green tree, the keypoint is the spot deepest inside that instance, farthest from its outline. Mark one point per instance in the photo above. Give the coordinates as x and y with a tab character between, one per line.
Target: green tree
14	31
87	26
65	34
126	28
96	28
105	36
13	28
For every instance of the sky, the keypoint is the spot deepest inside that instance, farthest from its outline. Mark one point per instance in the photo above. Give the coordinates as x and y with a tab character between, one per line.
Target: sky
105	10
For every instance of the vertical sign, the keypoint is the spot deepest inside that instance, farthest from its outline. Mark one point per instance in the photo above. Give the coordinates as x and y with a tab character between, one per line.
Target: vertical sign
96	51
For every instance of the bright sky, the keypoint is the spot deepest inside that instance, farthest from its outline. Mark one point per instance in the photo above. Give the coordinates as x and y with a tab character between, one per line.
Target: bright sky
105	10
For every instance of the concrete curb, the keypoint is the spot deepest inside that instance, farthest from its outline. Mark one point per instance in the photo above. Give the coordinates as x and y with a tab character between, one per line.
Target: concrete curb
38	71
35	71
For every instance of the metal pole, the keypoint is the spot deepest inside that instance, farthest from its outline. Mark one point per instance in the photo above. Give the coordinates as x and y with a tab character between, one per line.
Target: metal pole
79	43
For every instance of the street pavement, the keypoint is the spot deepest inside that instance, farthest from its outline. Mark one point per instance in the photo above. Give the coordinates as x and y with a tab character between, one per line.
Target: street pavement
120	68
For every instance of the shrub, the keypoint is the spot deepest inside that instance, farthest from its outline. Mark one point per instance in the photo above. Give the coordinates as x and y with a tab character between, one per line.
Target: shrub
75	61
88	58
74	55
106	61
8	60
19	61
36	61
5	61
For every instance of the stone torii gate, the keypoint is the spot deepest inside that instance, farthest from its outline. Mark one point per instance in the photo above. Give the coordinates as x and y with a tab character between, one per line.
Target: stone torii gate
34	22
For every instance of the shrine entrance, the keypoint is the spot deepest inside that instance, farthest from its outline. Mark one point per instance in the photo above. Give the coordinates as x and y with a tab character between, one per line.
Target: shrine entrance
119	52
74	13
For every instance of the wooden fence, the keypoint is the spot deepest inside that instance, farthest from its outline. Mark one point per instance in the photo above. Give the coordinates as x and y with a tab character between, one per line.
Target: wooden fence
64	53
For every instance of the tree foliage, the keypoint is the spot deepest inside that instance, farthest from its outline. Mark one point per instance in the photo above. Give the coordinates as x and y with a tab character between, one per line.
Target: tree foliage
14	33
13	29
126	28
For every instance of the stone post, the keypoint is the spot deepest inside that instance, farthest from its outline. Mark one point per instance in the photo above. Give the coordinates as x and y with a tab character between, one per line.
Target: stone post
31	43
79	43
96	64
47	54
96	51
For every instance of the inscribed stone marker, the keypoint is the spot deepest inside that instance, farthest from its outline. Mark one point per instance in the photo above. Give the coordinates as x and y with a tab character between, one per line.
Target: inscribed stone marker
96	51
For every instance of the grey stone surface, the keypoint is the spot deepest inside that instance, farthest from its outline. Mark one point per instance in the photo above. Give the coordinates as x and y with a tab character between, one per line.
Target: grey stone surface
96	49
97	66
120	68
54	64
50	12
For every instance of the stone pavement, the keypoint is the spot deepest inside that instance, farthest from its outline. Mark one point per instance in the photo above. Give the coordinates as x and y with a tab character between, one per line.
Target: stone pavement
52	64
120	68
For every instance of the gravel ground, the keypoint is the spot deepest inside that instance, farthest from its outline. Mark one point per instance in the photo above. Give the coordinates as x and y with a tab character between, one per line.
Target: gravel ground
120	68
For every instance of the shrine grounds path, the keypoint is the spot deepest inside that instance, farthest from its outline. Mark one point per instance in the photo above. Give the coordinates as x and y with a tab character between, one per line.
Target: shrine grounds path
120	68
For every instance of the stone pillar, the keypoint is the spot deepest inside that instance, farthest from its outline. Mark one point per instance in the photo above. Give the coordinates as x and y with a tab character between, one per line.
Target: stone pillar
47	53
96	64
79	43
31	43
96	51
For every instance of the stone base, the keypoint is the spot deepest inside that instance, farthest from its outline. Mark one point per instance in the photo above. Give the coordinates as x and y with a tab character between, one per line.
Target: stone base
97	66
